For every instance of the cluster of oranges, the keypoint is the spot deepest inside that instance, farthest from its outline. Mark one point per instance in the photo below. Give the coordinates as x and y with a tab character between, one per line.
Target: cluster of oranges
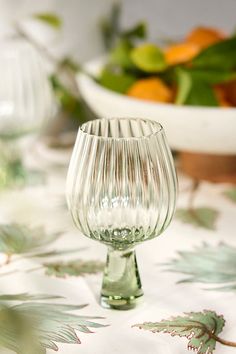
155	89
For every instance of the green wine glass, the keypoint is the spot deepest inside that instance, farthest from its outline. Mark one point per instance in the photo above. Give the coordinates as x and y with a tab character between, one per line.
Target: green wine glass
121	191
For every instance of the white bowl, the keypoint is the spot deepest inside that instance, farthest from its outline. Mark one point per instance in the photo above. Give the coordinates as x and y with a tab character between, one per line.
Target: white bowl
195	129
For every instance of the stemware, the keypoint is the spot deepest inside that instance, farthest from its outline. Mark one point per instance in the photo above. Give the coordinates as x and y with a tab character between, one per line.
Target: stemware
121	190
26	103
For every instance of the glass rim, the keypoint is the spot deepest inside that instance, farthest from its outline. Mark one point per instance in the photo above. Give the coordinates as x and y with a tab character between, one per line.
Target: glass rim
145	120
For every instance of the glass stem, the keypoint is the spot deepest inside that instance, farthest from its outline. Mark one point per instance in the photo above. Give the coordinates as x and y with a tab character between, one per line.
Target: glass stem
9	162
13	172
121	286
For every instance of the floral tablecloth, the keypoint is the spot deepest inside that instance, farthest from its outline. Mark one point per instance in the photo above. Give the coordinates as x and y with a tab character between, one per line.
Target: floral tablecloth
189	271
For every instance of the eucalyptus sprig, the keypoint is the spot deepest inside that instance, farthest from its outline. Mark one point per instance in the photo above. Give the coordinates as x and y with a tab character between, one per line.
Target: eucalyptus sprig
112	31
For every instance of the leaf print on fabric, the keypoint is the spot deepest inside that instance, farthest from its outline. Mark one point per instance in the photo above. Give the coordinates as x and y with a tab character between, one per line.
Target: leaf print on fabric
55	323
21	240
200	328
73	268
231	194
204	217
207	264
27	297
16	334
49	324
55	253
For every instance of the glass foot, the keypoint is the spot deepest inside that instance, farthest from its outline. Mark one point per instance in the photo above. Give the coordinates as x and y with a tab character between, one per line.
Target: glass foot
120	303
14	174
121	288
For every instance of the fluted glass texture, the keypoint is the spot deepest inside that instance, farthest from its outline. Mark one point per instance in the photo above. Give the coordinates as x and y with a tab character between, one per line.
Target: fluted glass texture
26	98
121	184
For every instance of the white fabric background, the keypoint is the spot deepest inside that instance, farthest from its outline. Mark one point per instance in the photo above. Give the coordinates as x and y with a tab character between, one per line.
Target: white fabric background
42	205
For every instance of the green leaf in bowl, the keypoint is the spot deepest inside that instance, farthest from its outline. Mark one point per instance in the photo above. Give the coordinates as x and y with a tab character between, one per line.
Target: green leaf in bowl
184	81
202	94
148	58
120	55
221	55
212	76
116	81
194	88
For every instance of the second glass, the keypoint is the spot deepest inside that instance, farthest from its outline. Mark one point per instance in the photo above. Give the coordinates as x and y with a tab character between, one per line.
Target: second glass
121	191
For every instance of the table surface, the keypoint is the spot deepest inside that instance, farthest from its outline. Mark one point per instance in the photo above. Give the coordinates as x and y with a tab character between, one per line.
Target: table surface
44	205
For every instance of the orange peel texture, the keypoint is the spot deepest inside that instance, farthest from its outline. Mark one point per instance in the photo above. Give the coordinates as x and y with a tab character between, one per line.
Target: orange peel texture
151	89
229	90
181	53
205	36
221	96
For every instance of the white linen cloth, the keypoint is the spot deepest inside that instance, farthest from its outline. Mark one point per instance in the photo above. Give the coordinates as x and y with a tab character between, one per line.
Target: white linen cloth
44	205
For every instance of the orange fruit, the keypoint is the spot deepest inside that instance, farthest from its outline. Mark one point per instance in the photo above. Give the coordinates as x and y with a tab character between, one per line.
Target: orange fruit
181	53
229	89
205	36
151	89
221	96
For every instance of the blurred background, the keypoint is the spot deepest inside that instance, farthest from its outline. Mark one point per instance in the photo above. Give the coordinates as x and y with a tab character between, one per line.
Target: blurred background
44	46
47	91
81	18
